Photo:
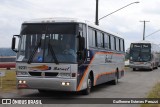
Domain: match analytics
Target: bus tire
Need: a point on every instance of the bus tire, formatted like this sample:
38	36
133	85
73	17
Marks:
151	69
89	86
115	81
156	66
134	69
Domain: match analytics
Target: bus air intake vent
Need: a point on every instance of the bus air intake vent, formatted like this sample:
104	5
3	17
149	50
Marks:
47	74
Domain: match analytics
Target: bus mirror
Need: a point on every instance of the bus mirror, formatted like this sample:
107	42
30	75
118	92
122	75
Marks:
82	43
14	43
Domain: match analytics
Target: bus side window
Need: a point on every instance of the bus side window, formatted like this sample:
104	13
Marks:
99	39
109	41
94	42
102	39
120	45
81	29
106	41
85	33
123	45
117	44
112	43
96	38
90	36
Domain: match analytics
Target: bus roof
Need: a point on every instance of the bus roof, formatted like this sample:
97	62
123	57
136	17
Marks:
142	41
69	20
54	20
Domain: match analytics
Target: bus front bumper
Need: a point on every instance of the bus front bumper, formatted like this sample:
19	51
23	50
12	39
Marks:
143	66
57	84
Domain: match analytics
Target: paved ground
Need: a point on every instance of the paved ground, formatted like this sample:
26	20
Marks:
135	84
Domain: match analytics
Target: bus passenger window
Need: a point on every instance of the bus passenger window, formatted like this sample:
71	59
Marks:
112	43
106	41
117	44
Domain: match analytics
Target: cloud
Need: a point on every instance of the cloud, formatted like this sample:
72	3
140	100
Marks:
124	22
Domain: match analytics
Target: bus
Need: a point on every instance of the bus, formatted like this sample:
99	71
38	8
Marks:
96	56
144	55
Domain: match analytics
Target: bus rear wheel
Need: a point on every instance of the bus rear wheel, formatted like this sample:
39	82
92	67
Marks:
151	69
115	81
89	86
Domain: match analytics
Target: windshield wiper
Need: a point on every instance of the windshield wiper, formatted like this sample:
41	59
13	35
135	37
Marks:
53	53
33	53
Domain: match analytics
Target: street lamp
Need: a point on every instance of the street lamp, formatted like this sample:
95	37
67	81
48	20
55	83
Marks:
97	20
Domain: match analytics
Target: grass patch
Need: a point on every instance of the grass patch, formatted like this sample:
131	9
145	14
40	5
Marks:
154	93
8	81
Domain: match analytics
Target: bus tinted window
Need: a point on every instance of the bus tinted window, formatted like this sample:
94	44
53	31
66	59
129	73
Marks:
109	41
91	37
121	45
106	41
117	44
112	43
99	39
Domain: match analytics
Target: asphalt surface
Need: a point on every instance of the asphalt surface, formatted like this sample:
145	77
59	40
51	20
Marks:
135	84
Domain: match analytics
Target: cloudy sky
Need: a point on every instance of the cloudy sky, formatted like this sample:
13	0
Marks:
125	22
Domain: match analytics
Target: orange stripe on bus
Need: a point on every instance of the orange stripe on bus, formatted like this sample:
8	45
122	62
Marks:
109	53
85	73
105	73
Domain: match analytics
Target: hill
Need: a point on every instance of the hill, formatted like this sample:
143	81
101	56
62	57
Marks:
7	52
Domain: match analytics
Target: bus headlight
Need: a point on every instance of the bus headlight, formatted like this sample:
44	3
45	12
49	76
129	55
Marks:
64	75
20	82
65	83
18	73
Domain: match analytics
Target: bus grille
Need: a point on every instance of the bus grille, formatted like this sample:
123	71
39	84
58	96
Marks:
47	74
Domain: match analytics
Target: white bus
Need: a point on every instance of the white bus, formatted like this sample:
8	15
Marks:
44	63
144	54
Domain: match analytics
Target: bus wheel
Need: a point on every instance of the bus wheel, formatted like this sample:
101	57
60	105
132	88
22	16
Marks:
89	85
115	81
151	69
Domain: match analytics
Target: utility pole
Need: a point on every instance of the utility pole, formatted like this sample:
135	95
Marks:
96	17
144	28
96	21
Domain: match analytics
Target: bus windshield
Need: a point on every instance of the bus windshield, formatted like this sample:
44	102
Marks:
48	43
140	52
